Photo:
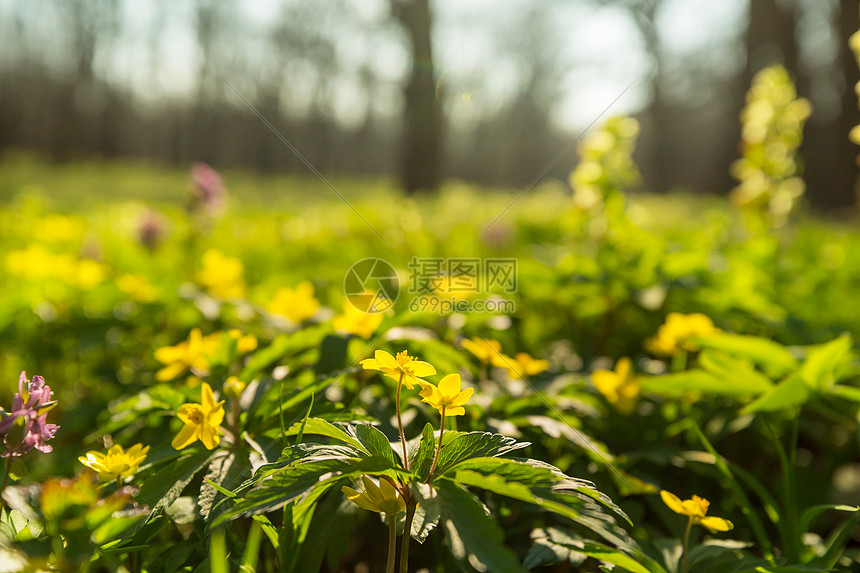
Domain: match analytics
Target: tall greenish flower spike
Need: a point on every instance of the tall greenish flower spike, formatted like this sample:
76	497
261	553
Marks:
854	44
769	171
606	166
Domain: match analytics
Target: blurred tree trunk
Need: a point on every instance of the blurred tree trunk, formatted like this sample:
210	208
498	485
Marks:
422	117
770	37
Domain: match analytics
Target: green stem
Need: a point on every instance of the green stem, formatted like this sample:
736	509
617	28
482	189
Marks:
438	448
392	543
687	541
400	424
404	545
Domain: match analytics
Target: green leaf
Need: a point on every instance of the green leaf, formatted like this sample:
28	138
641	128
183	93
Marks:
375	442
224	470
281	347
790	393
471	533
167	484
818	370
850	393
701	381
295	480
320	427
737	373
422	458
464	446
810	514
772	356
545	486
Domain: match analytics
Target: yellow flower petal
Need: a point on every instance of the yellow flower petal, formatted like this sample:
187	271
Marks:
187	435
420	368
715	524
673	502
385	360
450	385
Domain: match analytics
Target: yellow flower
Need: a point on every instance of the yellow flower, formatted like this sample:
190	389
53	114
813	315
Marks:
353	321
620	388
192	353
486	349
137	287
222	275
202	421
447	396
403	366
521	365
696	509
296	304
678	327
116	463
89	274
381	499
233	387
244	343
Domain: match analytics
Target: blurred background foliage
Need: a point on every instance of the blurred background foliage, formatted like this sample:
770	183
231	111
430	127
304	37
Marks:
422	91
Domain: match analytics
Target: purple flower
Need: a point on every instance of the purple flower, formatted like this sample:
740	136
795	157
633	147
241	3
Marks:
208	187
150	231
26	426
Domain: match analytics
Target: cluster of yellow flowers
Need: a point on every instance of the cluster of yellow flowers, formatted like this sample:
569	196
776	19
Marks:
621	387
489	352
37	263
606	165
196	352
448	397
677	331
768	172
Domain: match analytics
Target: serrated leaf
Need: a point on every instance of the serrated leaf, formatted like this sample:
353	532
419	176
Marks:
568	545
224	470
375	442
471	532
422	458
320	427
167	484
464	446
547	488
293	481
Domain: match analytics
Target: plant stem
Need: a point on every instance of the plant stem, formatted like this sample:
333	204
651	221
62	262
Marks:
400	424
687	541
404	546
438	448
392	543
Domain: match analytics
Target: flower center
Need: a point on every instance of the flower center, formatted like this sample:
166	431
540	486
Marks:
403	359
196	416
